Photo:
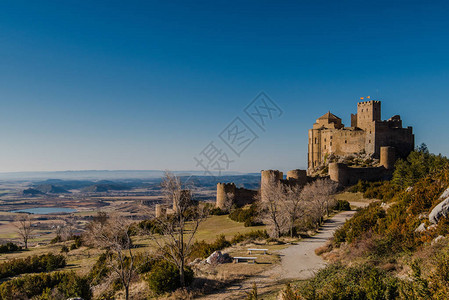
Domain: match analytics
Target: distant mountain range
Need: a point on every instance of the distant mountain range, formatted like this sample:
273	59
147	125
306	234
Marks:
97	174
61	186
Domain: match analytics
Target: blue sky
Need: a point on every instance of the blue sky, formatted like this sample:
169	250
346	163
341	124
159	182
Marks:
148	84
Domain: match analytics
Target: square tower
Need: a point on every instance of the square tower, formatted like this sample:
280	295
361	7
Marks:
367	113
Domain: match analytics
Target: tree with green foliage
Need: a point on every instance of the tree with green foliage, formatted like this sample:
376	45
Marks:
418	164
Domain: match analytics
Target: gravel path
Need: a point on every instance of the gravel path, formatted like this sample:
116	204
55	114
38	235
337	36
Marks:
300	261
297	262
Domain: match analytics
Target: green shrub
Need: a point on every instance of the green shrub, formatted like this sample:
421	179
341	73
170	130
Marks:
216	211
203	249
144	263
32	264
99	270
147	225
248	216
64	249
56	239
9	247
363	220
41	286
359	282
342	205
252	235
164	277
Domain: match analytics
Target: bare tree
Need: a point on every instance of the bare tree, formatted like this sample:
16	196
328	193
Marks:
272	199
68	230
294	205
179	228
113	234
24	228
319	195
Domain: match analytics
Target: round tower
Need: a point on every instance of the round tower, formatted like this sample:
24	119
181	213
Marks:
224	190
266	175
338	173
387	157
160	210
265	178
297	175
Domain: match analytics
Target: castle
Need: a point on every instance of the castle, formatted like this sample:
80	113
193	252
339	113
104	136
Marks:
368	134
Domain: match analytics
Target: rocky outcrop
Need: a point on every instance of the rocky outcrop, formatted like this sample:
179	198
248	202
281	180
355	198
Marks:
445	194
441	210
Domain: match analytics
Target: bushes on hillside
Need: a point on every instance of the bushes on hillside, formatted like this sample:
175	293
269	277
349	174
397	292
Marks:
358	282
248	216
31	264
252	235
164	277
147	225
342	205
45	286
418	164
203	249
9	247
383	190
363	221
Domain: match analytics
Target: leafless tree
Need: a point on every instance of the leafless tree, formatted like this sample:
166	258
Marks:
113	234
295	206
24	228
68	230
319	195
179	228
272	202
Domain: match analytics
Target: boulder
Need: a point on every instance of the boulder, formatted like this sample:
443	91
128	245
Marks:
441	210
437	239
445	194
421	228
195	262
218	258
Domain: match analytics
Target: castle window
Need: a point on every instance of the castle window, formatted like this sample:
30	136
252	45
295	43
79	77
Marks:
331	137
330	144
346	141
324	146
316	141
369	141
324	139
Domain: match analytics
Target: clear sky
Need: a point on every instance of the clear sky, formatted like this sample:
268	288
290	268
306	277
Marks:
148	84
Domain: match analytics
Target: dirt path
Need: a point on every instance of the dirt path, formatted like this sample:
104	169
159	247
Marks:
300	261
297	261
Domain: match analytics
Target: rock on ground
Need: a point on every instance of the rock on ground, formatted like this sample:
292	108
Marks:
441	210
218	258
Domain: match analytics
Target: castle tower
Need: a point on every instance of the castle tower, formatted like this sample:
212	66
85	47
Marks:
338	172
297	175
224	192
387	157
266	177
160	210
367	113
